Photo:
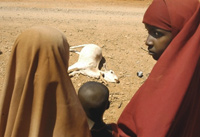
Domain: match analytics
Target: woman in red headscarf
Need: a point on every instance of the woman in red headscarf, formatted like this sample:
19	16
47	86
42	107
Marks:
168	103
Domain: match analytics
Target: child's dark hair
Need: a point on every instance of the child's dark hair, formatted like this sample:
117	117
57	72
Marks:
94	99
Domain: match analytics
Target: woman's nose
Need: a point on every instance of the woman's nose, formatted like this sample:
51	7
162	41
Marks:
149	41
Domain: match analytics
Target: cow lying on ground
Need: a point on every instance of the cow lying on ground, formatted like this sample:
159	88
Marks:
88	63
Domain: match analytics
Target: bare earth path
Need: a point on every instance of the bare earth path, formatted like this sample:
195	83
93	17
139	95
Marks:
113	25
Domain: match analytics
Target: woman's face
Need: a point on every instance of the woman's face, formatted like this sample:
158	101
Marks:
157	40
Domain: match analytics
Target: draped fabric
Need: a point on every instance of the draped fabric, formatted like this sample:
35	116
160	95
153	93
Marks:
157	15
39	99
168	103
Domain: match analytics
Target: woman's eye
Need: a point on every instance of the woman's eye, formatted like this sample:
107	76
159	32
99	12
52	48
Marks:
157	34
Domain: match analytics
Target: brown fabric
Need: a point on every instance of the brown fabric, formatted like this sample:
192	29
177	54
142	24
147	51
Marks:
168	103
39	99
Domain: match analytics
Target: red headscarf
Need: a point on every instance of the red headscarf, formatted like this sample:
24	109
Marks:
157	15
168	103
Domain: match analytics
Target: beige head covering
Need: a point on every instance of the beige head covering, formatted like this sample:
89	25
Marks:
39	99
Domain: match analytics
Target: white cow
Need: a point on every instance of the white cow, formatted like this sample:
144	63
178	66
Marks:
88	63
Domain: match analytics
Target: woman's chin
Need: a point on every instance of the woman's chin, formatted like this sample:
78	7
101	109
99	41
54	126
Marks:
155	57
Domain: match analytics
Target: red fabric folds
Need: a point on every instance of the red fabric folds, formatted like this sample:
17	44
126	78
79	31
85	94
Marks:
168	103
157	15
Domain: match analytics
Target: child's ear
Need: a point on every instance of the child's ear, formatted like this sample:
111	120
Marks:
108	105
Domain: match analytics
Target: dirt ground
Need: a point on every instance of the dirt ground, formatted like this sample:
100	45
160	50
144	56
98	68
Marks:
115	25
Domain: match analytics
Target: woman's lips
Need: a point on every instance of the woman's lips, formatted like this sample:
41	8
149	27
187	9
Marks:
150	52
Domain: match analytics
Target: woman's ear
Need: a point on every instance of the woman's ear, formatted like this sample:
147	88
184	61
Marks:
108	105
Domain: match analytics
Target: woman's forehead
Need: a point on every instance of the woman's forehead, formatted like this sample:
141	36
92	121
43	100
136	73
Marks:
151	27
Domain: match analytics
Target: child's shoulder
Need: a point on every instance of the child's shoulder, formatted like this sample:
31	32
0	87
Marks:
108	130
113	127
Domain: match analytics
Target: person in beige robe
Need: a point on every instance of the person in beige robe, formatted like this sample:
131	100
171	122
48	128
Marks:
38	99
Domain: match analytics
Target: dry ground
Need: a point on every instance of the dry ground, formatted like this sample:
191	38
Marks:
114	25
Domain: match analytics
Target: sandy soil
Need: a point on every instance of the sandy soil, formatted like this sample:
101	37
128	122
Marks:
114	25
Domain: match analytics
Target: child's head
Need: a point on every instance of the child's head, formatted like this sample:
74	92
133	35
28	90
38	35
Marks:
94	99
